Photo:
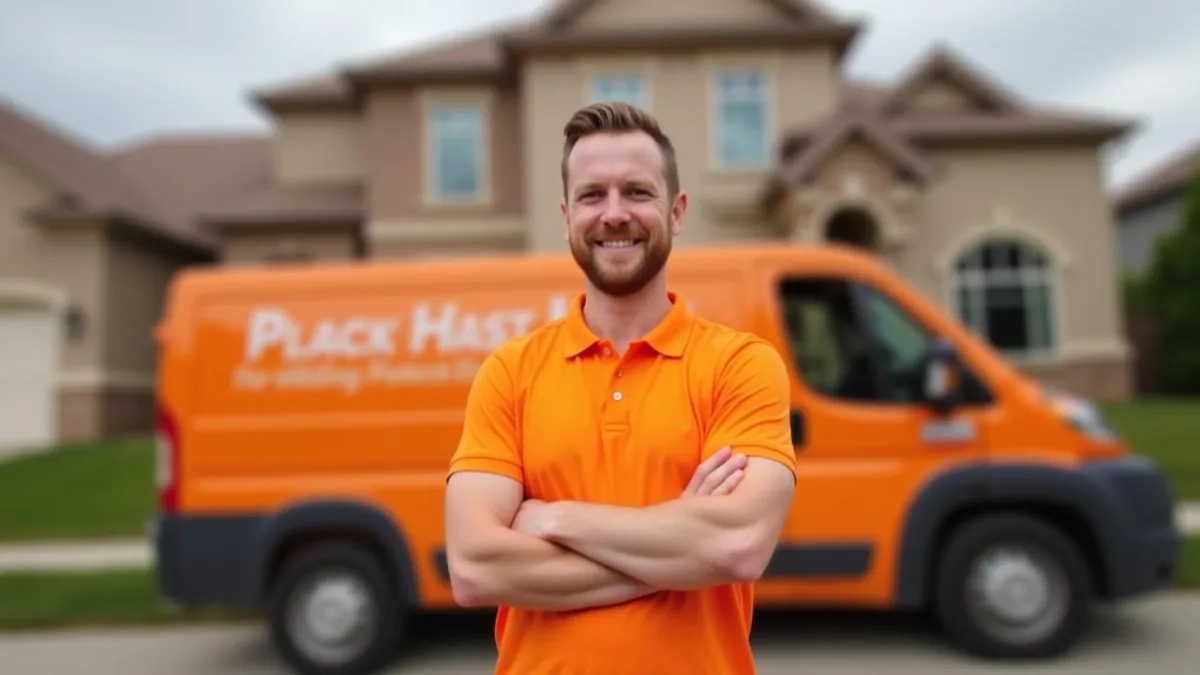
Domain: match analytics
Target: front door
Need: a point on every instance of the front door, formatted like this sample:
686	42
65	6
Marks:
865	442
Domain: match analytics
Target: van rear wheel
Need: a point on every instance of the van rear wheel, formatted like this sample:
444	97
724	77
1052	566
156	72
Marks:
1012	586
333	611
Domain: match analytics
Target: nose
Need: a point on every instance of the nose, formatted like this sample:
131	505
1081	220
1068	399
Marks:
615	212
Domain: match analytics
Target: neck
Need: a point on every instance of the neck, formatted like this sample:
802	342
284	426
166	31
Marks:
622	320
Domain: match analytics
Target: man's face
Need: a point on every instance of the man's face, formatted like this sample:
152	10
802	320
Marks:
620	220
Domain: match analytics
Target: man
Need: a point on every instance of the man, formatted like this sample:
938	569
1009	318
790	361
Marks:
624	472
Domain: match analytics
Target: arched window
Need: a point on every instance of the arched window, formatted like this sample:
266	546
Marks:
1004	291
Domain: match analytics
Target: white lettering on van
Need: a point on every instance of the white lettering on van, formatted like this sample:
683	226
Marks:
358	336
560	306
449	329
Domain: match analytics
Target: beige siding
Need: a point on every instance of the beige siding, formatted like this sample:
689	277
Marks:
319	147
70	261
137	281
1052	198
399	162
802	88
938	97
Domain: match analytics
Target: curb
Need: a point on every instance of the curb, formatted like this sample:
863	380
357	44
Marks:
76	556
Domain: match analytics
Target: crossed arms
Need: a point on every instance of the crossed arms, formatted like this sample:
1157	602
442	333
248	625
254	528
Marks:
566	555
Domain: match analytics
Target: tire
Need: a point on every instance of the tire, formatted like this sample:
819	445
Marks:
1024	553
340	577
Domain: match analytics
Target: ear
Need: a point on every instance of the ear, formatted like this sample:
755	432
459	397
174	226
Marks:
562	206
678	209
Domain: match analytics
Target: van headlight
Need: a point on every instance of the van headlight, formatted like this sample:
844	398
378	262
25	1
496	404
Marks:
1084	416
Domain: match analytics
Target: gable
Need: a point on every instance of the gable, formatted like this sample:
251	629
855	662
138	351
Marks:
944	83
939	96
854	143
622	14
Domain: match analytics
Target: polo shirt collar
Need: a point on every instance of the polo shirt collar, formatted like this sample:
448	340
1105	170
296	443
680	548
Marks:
668	338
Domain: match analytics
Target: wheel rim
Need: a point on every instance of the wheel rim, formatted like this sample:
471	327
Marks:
1018	593
331	617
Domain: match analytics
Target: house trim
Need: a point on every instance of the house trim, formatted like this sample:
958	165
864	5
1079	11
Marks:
91	379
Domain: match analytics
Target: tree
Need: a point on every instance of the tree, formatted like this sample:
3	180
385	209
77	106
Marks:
1173	293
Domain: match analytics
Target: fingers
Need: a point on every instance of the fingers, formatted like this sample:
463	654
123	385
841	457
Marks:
730	483
706	467
721	474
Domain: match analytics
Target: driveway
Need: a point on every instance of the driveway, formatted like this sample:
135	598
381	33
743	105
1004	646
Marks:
1157	635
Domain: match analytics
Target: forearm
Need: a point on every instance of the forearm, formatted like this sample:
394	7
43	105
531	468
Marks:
681	544
513	569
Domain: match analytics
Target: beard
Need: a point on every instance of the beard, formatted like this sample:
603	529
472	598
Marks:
628	279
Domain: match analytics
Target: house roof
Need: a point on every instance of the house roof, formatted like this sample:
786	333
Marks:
486	55
941	64
84	177
182	175
179	187
564	13
270	203
857	124
1168	177
886	119
89	183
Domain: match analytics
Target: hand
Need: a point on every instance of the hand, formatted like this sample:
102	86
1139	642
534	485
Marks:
535	518
718	475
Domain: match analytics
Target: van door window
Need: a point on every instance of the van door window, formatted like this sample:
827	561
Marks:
851	342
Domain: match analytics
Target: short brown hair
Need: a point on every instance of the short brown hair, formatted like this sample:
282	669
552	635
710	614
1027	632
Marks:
603	117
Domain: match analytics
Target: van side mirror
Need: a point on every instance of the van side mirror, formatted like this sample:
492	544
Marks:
943	378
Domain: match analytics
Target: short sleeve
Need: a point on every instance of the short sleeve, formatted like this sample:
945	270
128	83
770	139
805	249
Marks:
752	405
489	435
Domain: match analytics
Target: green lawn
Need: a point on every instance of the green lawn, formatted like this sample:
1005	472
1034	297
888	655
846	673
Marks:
1168	431
81	491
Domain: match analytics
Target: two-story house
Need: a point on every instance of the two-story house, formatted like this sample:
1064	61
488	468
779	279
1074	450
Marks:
1149	206
991	205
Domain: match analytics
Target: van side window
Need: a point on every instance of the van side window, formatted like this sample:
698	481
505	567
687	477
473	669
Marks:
851	342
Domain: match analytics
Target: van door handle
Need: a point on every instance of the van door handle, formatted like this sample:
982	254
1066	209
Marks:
797	420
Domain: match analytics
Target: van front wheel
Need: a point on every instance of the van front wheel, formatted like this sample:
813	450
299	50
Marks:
1012	586
333	611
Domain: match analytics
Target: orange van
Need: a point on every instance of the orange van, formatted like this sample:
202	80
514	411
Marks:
307	415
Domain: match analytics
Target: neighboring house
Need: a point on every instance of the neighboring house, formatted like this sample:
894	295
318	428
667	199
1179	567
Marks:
1148	206
993	207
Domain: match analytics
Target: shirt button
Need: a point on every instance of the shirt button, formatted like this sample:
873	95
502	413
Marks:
607	351
617	396
620	373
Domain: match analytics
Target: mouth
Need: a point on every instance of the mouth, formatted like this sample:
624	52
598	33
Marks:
618	244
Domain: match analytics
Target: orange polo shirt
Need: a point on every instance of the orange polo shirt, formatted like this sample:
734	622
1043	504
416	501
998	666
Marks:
559	410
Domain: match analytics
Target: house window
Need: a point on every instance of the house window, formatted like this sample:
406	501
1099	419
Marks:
457	143
1004	291
742	119
624	89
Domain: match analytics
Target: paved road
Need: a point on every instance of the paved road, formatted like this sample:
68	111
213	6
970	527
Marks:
1158	635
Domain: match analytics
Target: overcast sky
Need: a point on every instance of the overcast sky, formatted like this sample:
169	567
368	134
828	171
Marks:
113	71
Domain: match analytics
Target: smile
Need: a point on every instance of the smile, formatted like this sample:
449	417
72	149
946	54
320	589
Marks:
619	243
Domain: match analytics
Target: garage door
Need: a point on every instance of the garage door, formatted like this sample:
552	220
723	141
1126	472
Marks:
28	350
